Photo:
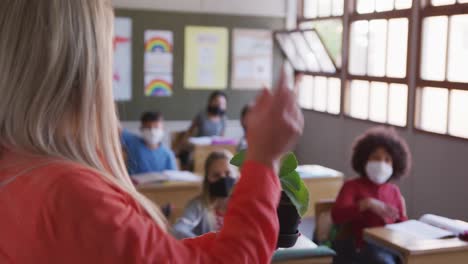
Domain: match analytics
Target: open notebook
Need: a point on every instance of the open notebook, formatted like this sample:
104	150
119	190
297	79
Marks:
431	227
184	176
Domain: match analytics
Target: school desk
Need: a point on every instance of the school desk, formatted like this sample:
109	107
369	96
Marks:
178	194
323	184
304	252
419	251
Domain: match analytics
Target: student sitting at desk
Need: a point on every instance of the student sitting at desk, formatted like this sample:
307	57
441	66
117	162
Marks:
212	121
208	123
206	212
148	154
379	157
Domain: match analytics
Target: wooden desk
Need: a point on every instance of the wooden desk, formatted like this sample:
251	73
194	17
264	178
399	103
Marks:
304	243
201	152
416	251
323	184
178	194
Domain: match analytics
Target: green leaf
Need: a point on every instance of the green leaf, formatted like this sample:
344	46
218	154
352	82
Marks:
288	164
293	179
238	159
297	192
290	179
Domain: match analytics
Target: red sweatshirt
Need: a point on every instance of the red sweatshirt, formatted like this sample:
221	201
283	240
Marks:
346	208
59	212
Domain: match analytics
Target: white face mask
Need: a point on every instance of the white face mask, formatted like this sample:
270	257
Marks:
378	171
152	136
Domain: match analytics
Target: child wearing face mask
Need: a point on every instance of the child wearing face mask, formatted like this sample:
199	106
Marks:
205	213
147	153
212	121
380	157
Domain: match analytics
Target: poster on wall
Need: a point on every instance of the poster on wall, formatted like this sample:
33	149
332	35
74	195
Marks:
159	47
158	84
252	59
122	68
206	57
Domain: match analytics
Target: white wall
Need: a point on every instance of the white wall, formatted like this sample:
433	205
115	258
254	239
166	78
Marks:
275	8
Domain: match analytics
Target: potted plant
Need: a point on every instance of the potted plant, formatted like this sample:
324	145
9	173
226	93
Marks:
294	200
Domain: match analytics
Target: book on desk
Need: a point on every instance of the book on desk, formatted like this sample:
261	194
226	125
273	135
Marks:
431	226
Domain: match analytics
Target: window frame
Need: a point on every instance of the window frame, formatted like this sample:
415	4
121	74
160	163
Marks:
426	9
419	10
338	74
386	15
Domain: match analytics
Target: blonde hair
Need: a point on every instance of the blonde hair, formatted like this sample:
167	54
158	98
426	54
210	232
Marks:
56	86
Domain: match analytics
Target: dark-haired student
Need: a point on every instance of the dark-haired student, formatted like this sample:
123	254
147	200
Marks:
380	157
212	121
147	153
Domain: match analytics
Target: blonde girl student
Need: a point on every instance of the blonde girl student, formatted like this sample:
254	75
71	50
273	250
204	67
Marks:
205	213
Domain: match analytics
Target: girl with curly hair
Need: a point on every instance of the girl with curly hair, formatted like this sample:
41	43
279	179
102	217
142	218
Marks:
380	157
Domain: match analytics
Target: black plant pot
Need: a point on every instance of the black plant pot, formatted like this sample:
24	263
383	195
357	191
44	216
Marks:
289	221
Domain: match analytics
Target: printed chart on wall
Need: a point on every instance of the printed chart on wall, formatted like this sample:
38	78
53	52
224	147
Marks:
122	83
159	46
206	57
252	59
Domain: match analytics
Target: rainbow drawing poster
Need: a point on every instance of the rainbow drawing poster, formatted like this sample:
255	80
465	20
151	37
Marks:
158	85
159	54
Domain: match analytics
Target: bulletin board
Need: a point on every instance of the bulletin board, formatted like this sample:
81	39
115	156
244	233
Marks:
183	104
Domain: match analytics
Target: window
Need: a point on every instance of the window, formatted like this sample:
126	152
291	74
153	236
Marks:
378	101
322	24
378	75
442	93
320	94
377	70
322	8
370	6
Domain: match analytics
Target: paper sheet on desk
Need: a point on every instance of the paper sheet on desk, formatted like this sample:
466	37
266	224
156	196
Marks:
144	178
206	141
200	140
420	230
183	176
316	171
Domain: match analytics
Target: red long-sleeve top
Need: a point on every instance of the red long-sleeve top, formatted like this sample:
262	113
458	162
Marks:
346	208
60	212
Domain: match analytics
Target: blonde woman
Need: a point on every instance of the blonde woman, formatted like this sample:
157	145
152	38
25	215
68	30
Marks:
205	213
65	196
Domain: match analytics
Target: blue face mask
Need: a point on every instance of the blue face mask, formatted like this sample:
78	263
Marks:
222	187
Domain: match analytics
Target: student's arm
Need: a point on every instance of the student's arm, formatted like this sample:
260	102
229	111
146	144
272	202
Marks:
401	205
345	208
192	216
89	221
